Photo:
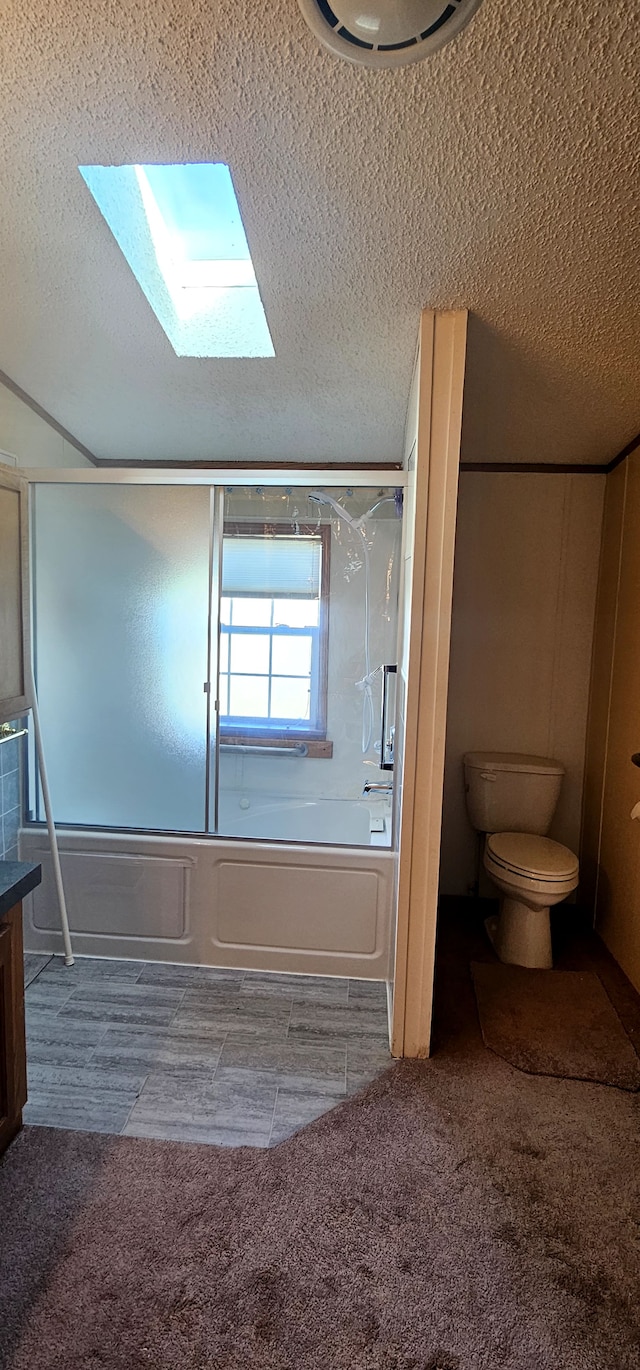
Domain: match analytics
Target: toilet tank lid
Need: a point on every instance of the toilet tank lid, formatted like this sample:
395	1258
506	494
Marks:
513	761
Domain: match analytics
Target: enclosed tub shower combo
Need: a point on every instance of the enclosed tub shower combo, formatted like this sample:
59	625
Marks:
215	667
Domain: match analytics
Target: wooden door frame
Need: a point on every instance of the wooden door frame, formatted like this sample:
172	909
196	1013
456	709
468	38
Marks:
440	367
13	708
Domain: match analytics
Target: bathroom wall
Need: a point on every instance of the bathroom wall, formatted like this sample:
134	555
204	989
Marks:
610	855
30	439
526	569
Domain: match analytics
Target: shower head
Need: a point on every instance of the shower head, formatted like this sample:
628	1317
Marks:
319	497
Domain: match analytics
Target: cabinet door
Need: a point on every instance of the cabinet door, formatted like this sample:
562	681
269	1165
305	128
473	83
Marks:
14	598
13	1074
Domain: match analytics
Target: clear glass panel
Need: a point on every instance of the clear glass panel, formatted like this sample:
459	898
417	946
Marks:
249	696
251	613
292	656
296	613
289	698
311	739
250	653
121	606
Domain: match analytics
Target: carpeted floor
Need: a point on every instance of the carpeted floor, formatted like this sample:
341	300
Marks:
457	1215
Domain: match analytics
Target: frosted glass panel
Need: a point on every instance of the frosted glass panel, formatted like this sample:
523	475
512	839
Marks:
121	586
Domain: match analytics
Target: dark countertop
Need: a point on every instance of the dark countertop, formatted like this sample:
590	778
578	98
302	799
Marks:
17	878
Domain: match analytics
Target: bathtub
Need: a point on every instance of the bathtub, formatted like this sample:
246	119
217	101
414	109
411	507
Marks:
336	821
251	899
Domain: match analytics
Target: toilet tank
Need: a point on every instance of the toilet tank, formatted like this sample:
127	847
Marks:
511	792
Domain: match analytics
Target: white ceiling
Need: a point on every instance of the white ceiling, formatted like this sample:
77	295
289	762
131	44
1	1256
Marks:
501	174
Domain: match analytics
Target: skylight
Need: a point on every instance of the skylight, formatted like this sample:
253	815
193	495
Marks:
181	232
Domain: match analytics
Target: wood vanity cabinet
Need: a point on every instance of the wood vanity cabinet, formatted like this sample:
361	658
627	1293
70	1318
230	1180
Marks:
13	1057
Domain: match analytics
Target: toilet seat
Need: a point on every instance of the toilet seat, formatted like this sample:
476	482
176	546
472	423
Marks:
528	857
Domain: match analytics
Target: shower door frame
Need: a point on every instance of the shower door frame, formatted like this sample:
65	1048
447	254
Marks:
217	481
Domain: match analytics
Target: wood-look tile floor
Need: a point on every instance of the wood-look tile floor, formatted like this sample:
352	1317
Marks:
187	1053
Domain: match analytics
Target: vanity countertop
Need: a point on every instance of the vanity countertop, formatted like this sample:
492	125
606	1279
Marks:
17	879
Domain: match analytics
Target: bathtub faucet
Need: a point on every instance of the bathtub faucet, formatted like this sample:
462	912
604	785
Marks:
378	787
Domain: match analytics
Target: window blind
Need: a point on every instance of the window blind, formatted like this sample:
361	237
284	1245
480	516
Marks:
272	567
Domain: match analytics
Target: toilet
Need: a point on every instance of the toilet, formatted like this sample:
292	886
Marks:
512	798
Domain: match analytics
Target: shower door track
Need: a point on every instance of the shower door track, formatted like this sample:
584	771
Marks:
121	475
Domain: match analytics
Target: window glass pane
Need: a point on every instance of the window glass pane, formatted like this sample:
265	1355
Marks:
224	651
224	694
250	652
291	656
296	613
225	609
249	696
252	613
289	698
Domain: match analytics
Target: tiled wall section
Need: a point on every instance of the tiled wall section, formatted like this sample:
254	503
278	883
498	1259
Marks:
9	798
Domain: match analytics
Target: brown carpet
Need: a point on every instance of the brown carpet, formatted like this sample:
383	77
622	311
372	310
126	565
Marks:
457	1215
554	1022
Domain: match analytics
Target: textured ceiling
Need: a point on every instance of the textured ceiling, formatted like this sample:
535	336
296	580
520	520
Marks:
500	174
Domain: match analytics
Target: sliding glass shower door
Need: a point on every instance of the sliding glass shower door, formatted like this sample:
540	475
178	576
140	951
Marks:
213	661
308	620
121	611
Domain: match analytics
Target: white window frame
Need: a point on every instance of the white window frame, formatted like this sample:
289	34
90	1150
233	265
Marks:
260	728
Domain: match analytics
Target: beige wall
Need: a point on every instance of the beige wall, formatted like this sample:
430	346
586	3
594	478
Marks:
30	439
526	569
610	854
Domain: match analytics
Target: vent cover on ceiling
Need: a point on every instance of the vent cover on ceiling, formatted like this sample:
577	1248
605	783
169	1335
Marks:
386	33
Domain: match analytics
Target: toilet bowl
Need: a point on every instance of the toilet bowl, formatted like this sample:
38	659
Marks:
532	874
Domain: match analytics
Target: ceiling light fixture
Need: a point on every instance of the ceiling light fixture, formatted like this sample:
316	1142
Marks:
386	33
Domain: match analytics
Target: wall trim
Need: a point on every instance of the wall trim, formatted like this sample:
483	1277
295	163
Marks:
554	468
626	452
539	468
518	468
47	417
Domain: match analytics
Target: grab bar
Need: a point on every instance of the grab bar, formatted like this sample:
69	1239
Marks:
254	749
387	729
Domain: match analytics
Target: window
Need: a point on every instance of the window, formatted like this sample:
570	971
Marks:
181	232
273	631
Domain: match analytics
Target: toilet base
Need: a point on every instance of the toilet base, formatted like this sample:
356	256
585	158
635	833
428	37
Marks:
520	935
